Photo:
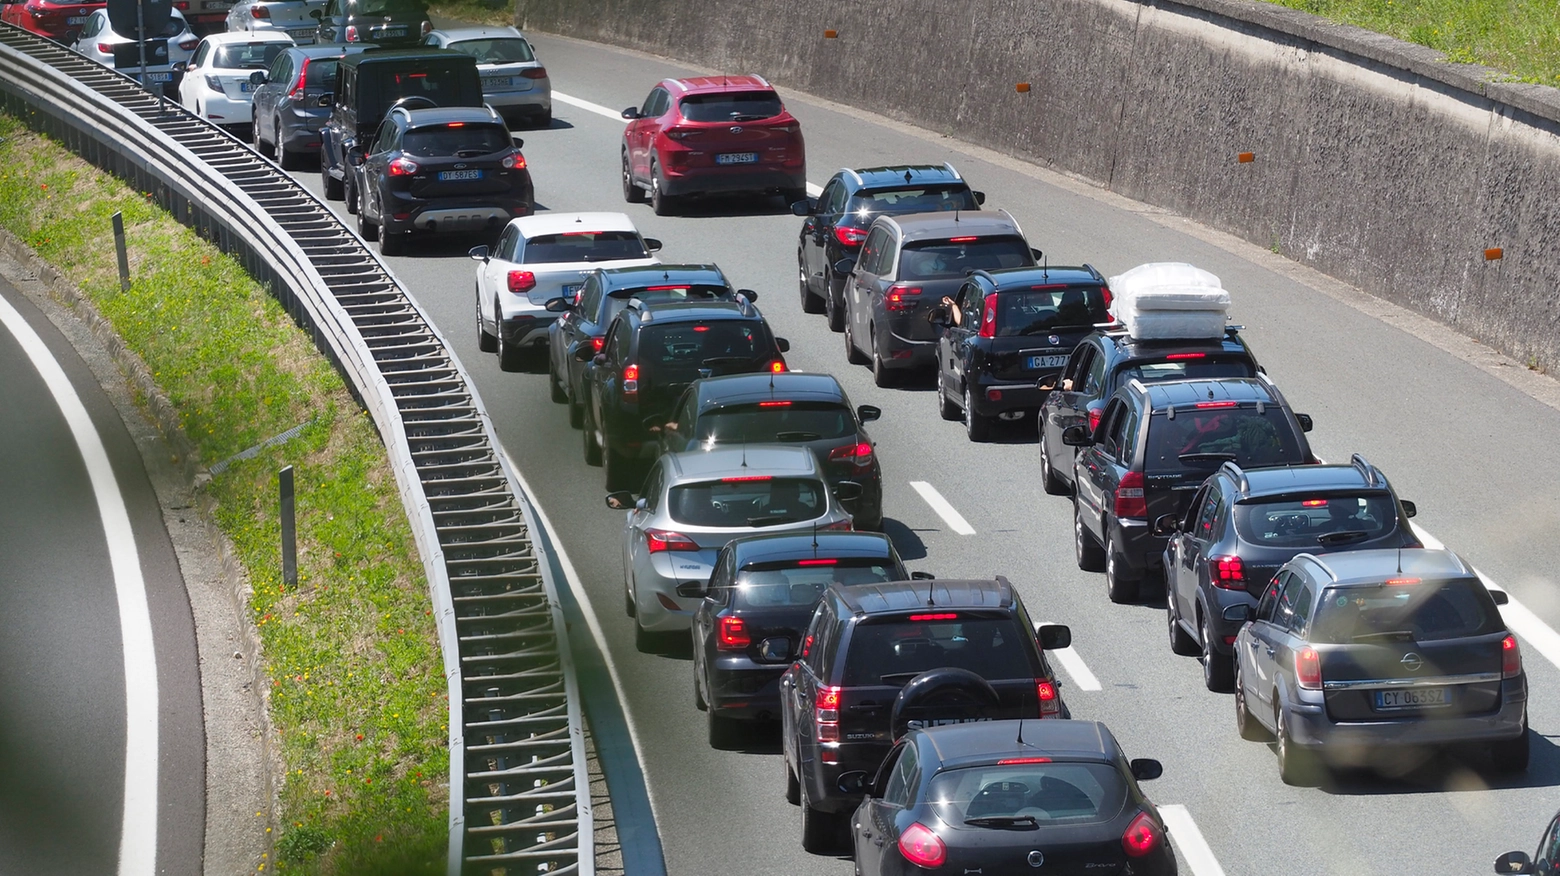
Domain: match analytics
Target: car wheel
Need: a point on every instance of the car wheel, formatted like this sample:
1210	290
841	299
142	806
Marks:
350	196
852	353
592	449
632	193
287	158
1511	755
486	342
978	428
811	302
834	300
820	830
392	244
881	375
1050	481
644	640
1218	669
1181	642
945	408
330	184
793	788
1249	728
660	202
1120	588
723	731
260	145
1296	766
698	689
618	469
554	385
576	413
366	229
1090	556
543	119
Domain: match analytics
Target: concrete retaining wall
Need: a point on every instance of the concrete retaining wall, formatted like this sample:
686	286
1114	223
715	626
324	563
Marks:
1374	162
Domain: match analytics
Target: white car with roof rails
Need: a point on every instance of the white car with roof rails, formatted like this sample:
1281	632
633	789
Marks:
539	259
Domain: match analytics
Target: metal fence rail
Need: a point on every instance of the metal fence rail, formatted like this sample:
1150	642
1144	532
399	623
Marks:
519	797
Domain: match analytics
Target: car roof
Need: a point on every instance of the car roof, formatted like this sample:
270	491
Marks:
692	310
1186	392
893	175
249	36
804	545
897	596
397	55
919	226
1375	566
733	389
640	275
457	34
750	460
716	84
325	50
443	115
1024	277
562	223
986	742
1135	348
1270	480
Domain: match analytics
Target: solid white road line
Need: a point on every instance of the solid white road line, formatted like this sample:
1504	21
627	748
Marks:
814	190
138	827
1073	664
953	518
1540	636
586	105
1185	836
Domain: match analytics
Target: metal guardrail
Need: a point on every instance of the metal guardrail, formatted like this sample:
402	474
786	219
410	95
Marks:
519	796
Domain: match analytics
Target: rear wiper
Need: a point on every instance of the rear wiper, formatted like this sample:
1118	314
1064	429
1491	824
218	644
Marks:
897	677
725	360
1008	821
470	153
772	520
1207	457
796	436
747	117
1386	636
1332	538
1035	329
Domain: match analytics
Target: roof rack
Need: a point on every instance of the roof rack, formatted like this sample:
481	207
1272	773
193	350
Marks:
955	173
1238	474
1373	477
853	173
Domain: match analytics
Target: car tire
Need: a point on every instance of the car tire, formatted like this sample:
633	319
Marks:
881	374
554	385
510	357
1249	728
1087	551
793	788
662	203
632	193
811	302
1296	766
698	689
366	229
393	244
350	195
486	342
1181	642
1511	755
261	146
945	408
592	449
1121	589
331	185
542	119
1050	481
723	732
853	354
629	608
1218	669
618	470
576	413
978	428
820	830
287	158
644	640
834	301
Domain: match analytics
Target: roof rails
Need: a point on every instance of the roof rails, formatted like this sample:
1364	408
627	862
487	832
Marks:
1372	476
955	173
1237	474
762	81
1094	271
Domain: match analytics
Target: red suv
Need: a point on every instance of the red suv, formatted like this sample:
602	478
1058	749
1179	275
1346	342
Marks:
712	134
57	21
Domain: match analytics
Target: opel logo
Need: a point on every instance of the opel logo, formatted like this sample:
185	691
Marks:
736	129
1036	858
1412	661
1054	340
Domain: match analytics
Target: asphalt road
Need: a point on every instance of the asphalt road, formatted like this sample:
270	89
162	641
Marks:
63	685
1474	449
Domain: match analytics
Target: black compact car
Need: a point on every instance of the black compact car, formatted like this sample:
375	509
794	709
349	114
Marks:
758	602
1107	358
1349	655
445	170
1243	524
601	297
652	353
1004	333
807	409
381	22
1009	797
1545	861
1155	444
837	220
292	101
867	643
368	84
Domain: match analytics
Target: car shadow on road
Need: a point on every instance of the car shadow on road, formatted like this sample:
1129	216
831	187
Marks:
905	540
1457	769
722	206
756	737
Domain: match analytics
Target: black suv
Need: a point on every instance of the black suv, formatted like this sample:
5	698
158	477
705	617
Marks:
868	642
1103	361
1005	333
838	218
444	170
1245	523
603	295
369	83
1155	445
381	22
808	409
652	354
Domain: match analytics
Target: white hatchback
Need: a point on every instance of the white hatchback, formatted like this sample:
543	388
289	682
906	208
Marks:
217	85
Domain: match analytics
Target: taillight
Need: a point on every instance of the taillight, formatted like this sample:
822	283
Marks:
214	83
895	300
679	133
521	281
732	635
854	454
597	343
630	382
777	366
514	161
1228	573
848	236
659	540
988	318
1050	700
921	847
1510	658
1141	837
352	33
534	72
1094	418
1105	292
836	526
1129	496
258	11
1308	669
296	92
401	167
189	44
826	714
106	48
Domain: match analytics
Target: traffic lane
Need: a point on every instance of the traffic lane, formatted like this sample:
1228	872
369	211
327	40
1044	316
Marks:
62	664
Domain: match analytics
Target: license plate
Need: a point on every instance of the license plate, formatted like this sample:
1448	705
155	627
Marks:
570	290
1047	361
246	86
218	5
305	34
159	77
1414	698
391	31
448	175
497	81
737	158
76	19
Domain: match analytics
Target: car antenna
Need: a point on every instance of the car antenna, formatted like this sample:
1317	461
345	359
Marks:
1400	561
931	584
1045	266
815	538
1021	720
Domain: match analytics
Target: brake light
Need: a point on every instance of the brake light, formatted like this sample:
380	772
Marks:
1175	356
630	382
1050	699
1105	291
1510	658
732	635
921	847
521	281
401	167
534	73
671	289
189	44
597	343
807	646
818	562
1228	573
1223	404
259	12
826	714
106	48
962	239
837	526
1012	761
660	540
1094	418
1129	496
296	91
777	366
1141	837
774	404
939	616
679	133
848	236
514	161
1395	582
352	33
988	318
746	478
896	302
1308	669
1314	503
852	454
455	125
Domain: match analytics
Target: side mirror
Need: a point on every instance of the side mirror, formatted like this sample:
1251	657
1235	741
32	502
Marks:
1409	508
1077	436
939	316
631	113
782	345
620	500
584	353
749	294
1500	597
868	413
1237	613
558	305
691	589
857	782
775	649
922	576
1166	524
316	14
804	208
652	245
257	77
1511	862
1145	768
1305	422
180	66
847	491
1039	256
1046	383
479	253
1053	636
980	197
356	157
327	98
844	267
599	359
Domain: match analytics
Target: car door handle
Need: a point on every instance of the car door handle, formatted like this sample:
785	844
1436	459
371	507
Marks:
1270	652
877	841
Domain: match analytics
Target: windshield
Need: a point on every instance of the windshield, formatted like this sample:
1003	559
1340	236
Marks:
410	8
457	141
1423	610
913	199
1205	438
776	421
253	56
618	299
1042	310
321	73
1200	368
748	501
583	246
681	350
802	585
736	106
502	50
1049	793
1308	522
895	650
952	259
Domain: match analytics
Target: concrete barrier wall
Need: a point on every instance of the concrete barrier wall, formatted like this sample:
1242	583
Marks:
1373	161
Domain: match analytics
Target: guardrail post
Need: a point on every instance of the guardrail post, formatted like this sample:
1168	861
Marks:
289	533
119	247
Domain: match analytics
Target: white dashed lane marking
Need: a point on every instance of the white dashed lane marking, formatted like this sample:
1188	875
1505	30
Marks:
1072	664
1541	637
1185	836
950	516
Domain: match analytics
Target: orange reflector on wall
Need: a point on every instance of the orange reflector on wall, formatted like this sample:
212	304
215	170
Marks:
1246	157
1022	87
1494	254
830	34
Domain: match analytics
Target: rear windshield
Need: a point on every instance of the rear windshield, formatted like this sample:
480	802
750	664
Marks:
952	259
1202	368
736	106
1423	610
1205	438
391	7
913	199
893	651
438	79
1050	793
505	50
583	246
759	501
776	421
1039	311
680	350
804	585
253	56
321	73
457	141
1329	521
618	299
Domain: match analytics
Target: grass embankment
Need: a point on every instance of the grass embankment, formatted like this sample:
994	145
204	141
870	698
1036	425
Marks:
1518	37
357	691
474	12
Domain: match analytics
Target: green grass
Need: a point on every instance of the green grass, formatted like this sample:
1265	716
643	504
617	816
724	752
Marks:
357	690
1518	37
474	11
